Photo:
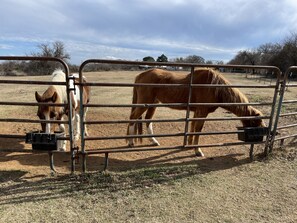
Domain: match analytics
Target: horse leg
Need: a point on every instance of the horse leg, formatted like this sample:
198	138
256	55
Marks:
135	114
85	114
77	122
47	125
197	127
61	144
190	137
61	126
77	125
149	114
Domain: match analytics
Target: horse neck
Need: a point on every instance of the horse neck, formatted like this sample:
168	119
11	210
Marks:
243	110
233	95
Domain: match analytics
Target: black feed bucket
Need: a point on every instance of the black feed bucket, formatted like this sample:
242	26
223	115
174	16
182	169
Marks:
43	141
252	134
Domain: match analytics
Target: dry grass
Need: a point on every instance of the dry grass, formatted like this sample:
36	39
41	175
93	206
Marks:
248	192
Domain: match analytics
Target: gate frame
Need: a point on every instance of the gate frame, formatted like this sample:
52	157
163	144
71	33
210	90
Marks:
284	85
279	88
69	104
269	138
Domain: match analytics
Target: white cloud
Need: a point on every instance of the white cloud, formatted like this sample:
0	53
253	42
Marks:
133	28
5	47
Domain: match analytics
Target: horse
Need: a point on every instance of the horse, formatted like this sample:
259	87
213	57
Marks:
156	94
58	94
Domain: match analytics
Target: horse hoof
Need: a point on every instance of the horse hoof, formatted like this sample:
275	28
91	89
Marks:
199	153
131	145
155	144
62	149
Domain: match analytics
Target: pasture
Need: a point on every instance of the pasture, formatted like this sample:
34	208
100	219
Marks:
159	186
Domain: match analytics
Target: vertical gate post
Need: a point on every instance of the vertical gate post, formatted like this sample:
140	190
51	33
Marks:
273	119
188	108
282	85
82	118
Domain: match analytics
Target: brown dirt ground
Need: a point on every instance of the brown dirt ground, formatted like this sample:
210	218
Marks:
35	164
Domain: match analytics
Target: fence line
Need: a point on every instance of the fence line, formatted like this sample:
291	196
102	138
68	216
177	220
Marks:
276	106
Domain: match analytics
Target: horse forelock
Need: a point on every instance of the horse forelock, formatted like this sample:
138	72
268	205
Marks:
58	75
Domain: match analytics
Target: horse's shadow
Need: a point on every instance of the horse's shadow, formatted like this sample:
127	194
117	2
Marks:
96	163
6	144
203	165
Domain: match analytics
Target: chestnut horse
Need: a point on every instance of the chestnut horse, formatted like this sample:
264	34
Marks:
156	94
58	94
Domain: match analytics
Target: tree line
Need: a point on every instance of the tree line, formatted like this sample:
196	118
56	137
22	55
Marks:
282	55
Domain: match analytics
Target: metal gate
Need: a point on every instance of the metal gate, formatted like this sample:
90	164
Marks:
25	105
185	119
286	110
273	104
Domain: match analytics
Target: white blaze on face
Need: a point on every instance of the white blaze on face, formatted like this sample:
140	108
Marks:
47	125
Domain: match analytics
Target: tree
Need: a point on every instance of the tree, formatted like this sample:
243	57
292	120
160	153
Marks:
56	49
195	59
162	58
148	59
246	57
282	55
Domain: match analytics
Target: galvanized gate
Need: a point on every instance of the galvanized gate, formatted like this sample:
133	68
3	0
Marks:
26	104
186	119
273	112
286	110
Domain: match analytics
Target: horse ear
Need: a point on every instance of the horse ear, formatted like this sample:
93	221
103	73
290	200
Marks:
54	97
37	97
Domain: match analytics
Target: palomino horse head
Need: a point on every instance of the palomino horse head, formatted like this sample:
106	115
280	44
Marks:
47	112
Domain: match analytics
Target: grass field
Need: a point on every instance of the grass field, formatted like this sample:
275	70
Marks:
168	186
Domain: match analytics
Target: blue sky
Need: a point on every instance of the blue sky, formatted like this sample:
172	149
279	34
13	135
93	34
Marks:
133	29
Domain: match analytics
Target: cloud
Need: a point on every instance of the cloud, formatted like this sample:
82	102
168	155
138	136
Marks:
133	29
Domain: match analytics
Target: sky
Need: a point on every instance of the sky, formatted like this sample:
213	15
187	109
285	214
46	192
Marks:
134	29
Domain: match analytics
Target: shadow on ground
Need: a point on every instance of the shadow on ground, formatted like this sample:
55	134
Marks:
125	175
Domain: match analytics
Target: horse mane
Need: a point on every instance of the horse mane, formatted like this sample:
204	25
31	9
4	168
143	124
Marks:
234	95
229	94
